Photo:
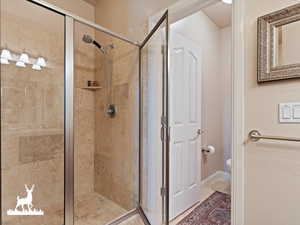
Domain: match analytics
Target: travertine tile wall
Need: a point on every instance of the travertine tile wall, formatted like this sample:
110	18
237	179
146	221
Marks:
32	113
84	114
116	153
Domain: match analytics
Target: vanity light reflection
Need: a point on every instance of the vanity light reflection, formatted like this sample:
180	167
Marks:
36	67
22	60
4	61
227	1
5	54
41	62
20	64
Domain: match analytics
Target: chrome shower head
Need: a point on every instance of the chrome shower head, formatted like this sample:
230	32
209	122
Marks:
89	40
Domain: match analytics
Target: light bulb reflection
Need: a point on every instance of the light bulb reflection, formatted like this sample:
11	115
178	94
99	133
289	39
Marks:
227	1
41	62
5	54
36	67
20	64
4	61
24	58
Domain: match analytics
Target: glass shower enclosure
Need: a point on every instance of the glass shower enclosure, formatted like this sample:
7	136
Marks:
81	107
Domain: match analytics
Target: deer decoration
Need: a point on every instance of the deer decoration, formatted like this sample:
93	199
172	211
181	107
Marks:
25	201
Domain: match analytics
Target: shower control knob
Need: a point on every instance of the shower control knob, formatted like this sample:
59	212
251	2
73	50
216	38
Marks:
111	111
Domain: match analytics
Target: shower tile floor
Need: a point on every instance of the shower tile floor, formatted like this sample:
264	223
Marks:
94	209
91	209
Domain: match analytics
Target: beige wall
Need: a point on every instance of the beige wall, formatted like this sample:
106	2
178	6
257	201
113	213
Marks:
78	7
226	87
272	168
128	17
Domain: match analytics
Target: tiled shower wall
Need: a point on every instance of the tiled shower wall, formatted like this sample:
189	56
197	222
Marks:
32	114
84	114
116	153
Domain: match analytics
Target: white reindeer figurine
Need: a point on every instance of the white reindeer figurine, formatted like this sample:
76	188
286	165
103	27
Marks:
25	201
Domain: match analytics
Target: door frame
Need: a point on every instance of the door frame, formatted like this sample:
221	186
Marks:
184	8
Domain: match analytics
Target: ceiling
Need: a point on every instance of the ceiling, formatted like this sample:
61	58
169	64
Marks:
219	13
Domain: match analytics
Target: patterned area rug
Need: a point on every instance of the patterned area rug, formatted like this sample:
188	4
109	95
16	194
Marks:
216	210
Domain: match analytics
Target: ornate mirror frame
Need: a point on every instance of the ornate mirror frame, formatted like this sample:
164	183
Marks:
266	70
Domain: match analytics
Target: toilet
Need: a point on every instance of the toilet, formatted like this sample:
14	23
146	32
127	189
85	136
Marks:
228	164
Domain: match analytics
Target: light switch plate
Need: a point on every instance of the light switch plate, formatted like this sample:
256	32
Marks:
296	112
289	112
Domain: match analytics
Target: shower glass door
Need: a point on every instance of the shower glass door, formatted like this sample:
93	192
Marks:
32	114
154	123
106	130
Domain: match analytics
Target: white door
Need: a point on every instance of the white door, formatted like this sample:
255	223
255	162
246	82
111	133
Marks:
185	122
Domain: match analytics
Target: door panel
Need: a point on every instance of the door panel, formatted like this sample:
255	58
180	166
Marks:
185	121
192	76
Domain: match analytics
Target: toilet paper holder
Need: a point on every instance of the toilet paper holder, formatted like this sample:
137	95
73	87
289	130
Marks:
209	149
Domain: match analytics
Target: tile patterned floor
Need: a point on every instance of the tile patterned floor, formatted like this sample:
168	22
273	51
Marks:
94	209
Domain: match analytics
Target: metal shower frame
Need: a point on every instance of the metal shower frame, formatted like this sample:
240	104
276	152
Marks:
70	20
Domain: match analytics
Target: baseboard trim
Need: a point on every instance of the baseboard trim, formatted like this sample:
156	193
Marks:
219	173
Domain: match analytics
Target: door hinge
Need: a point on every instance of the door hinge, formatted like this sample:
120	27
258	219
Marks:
163	191
164	130
163	49
163	121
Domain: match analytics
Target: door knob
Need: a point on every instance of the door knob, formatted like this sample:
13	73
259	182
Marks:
208	150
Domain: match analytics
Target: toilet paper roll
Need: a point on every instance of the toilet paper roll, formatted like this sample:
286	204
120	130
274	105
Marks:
209	150
228	164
